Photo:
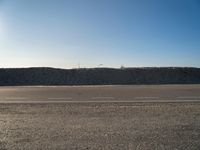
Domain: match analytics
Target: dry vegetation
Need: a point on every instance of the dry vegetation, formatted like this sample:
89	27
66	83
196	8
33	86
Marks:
98	76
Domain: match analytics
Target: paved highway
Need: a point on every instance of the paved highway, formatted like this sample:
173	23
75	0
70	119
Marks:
100	117
72	94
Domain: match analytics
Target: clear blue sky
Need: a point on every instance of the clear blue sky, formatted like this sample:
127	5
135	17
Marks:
65	33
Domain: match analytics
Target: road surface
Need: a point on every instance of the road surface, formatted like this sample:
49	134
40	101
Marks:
160	117
63	94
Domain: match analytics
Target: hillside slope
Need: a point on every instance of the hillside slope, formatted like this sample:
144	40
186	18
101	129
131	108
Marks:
99	76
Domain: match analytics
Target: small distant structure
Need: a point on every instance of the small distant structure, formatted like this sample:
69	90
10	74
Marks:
100	65
122	67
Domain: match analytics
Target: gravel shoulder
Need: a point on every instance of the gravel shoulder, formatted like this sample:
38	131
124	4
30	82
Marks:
137	126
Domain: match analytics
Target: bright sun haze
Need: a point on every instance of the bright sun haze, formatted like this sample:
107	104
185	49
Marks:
69	33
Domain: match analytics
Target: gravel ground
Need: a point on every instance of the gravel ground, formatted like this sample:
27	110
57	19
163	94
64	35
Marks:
117	126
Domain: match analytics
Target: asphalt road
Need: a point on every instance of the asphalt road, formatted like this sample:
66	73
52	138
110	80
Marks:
64	94
164	117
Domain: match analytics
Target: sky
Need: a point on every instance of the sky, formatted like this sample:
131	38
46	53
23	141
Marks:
87	33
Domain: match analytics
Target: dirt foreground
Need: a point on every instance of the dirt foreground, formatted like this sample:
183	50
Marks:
117	126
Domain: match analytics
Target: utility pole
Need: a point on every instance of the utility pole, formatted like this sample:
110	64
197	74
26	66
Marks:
79	65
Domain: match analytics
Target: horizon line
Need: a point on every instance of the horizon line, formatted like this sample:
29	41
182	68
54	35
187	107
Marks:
122	67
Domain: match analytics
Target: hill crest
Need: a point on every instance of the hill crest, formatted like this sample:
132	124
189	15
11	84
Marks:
99	76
